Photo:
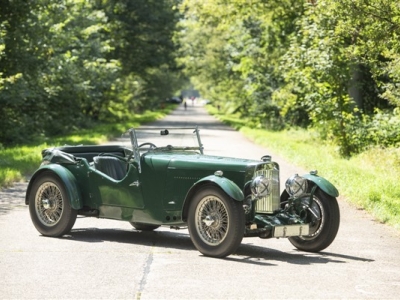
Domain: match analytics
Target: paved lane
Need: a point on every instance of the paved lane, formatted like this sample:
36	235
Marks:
105	259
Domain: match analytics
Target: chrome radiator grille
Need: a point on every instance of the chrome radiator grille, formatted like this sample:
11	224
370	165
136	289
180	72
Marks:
272	202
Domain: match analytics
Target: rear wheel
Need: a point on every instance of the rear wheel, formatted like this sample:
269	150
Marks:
215	222
49	206
144	227
324	219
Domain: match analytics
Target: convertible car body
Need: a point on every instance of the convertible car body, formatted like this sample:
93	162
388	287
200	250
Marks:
163	178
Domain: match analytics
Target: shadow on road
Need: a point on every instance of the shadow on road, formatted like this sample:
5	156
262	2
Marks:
13	197
246	253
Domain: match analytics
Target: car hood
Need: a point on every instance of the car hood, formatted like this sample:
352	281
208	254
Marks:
196	161
218	162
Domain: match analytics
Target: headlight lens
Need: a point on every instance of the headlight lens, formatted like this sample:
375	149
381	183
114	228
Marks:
260	187
296	185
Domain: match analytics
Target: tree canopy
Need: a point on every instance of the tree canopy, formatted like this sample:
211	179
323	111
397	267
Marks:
64	64
331	65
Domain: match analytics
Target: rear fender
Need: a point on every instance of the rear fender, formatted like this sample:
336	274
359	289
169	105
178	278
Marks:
70	183
323	184
228	186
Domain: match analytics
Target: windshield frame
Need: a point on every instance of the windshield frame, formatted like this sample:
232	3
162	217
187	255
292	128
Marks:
134	137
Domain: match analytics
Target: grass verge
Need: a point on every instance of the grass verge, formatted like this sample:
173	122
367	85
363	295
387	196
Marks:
368	180
16	163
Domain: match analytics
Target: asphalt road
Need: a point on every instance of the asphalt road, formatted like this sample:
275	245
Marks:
106	259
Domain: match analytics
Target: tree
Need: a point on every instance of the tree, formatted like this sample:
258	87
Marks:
340	47
231	50
66	64
332	65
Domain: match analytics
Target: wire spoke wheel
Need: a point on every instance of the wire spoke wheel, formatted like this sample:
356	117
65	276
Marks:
212	220
323	219
49	204
215	221
317	219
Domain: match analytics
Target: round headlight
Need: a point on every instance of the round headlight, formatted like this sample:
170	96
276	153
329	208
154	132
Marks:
296	185
260	187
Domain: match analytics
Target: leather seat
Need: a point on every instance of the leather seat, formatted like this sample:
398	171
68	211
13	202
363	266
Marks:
111	166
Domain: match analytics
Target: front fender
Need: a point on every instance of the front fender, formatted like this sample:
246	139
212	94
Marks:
70	183
225	184
323	184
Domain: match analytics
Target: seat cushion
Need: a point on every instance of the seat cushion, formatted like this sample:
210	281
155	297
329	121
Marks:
111	166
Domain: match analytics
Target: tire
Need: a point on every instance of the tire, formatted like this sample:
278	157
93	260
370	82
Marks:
215	222
323	231
49	206
144	227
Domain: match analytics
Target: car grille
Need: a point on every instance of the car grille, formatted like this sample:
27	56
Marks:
271	202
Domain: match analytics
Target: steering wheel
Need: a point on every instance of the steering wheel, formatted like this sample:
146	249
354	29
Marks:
152	146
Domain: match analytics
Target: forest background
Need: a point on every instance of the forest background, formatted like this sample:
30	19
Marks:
329	68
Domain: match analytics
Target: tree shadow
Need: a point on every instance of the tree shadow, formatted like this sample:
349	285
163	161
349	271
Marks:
13	197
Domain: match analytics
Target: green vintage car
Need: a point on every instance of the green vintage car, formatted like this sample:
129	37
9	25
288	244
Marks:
163	178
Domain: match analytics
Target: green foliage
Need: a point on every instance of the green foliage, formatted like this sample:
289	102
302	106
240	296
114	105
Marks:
234	61
66	64
330	65
378	130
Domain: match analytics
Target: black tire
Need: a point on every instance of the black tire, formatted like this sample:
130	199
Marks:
225	217
49	206
323	231
144	227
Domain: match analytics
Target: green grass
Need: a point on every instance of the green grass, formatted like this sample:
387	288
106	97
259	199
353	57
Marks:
16	163
369	181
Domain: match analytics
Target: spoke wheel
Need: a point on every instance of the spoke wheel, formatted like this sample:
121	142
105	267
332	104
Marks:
49	206
211	220
324	220
216	222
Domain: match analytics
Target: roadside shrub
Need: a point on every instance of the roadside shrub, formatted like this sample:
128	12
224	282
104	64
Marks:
359	133
383	128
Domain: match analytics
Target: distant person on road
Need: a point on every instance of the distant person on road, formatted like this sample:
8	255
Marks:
184	104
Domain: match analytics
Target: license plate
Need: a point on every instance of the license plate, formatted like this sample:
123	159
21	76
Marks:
291	230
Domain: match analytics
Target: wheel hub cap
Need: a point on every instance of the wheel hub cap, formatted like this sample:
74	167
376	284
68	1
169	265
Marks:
46	203
208	221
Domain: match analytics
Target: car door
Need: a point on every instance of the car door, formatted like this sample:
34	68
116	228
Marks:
119	198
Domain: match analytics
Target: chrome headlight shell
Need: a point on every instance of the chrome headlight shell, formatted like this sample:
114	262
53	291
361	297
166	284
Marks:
296	185
260	186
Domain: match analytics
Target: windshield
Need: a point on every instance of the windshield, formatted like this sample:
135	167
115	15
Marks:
166	139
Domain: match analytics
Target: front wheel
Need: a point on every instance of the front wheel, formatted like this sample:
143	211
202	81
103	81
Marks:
215	222
324	219
49	206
